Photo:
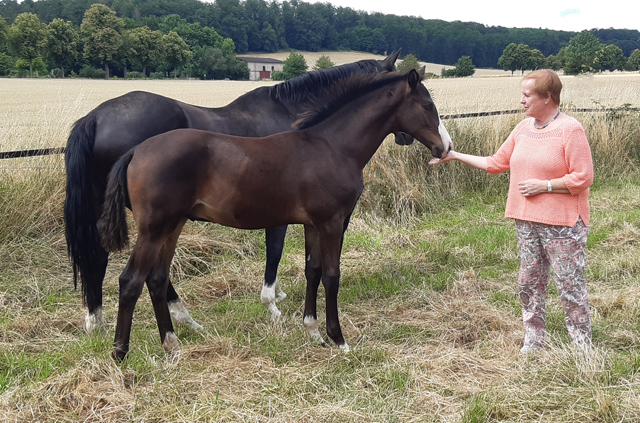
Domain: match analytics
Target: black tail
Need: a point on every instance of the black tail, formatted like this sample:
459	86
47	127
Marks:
83	242
112	225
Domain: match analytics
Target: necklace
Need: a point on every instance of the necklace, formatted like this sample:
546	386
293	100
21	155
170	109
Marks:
548	123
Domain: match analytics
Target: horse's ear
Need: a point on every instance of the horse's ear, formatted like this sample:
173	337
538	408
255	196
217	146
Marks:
415	76
391	59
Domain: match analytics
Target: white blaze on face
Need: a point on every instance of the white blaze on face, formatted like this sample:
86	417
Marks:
446	138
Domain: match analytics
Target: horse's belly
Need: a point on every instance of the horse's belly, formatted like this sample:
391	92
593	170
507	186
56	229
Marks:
255	216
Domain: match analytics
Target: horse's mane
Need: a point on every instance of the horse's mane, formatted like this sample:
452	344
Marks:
343	92
312	83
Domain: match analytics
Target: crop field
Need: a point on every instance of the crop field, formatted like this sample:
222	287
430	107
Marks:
428	299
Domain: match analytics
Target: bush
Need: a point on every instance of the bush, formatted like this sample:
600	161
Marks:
38	67
135	75
89	72
57	73
448	73
156	75
277	76
409	62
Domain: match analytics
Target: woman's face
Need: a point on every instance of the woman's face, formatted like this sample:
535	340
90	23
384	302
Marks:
534	105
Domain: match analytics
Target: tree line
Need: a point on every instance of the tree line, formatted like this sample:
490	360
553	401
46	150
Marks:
261	26
176	48
584	53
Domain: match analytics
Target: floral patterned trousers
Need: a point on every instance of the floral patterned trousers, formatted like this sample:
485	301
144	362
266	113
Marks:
562	248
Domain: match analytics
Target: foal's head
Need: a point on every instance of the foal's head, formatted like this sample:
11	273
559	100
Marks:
419	116
406	101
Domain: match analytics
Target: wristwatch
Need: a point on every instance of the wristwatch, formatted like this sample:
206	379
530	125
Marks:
549	186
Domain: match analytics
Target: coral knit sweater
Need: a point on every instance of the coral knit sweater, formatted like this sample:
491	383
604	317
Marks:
559	151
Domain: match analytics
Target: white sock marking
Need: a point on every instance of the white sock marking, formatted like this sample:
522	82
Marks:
270	296
94	322
311	324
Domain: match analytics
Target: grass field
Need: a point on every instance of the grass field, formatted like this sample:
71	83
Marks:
428	292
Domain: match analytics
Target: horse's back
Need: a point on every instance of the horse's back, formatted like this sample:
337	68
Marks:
126	121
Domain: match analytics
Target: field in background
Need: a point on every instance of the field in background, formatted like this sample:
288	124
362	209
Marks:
39	113
427	296
342	57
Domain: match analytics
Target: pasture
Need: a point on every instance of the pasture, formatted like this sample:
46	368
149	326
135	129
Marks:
428	292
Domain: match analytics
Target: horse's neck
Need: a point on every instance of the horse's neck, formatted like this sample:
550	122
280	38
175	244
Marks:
359	131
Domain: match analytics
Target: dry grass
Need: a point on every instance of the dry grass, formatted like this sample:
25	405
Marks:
427	298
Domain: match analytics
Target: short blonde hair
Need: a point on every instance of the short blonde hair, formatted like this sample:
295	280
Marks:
546	81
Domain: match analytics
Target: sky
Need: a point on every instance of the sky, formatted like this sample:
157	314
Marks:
563	15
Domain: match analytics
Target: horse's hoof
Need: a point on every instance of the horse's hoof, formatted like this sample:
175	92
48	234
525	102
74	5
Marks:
312	326
171	344
94	323
274	311
119	355
181	317
344	348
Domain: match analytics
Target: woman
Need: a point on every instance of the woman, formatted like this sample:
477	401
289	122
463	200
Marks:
551	171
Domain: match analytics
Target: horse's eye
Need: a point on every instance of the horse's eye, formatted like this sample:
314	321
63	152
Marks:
428	107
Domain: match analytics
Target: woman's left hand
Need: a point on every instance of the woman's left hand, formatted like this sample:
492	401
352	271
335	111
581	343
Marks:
532	187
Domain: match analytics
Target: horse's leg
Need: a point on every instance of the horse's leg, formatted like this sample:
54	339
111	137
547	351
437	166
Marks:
93	321
331	236
143	257
179	313
271	292
158	282
313	274
93	278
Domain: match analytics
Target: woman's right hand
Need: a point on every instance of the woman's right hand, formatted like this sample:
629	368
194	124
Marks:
451	155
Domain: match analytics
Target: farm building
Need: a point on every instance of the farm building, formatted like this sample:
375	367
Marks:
261	67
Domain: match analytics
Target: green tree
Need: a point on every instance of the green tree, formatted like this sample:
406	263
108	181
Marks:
294	65
62	43
634	60
509	59
610	57
176	51
536	60
269	38
36	65
409	62
3	35
102	35
524	57
6	62
27	38
146	47
553	62
581	53
323	62
465	67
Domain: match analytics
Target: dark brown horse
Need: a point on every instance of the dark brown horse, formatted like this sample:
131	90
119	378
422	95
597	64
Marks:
117	125
311	176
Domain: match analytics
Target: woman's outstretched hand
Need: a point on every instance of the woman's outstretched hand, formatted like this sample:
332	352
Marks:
451	155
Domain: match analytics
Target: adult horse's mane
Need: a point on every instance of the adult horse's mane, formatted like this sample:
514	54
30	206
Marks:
312	83
342	93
